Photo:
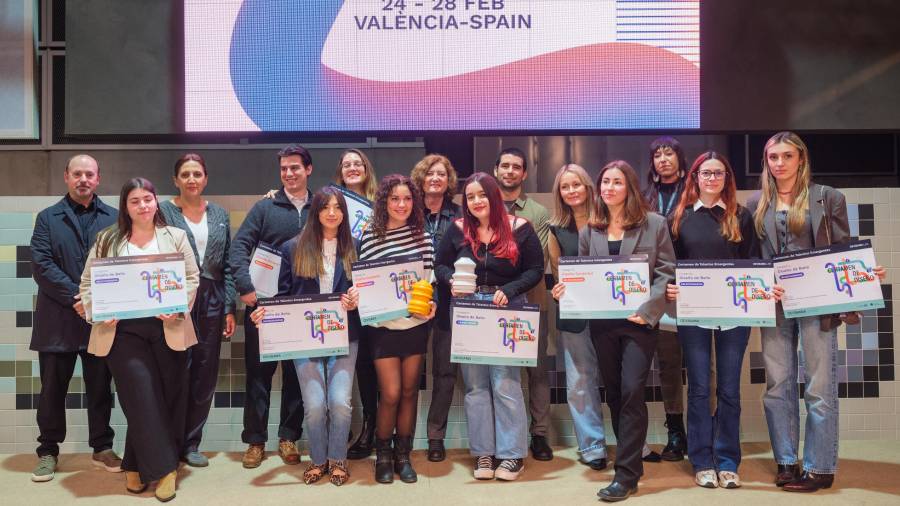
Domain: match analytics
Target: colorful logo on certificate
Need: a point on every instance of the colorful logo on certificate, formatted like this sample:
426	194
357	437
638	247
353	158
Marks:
360	223
161	280
746	289
624	283
403	282
847	273
515	330
322	322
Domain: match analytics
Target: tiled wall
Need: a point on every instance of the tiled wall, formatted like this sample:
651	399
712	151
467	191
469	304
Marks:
867	357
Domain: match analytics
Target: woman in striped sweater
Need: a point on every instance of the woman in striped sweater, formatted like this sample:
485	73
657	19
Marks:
397	346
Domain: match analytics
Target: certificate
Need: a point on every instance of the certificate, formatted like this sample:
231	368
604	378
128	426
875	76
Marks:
603	287
384	285
725	293
828	280
265	266
360	211
137	286
483	333
303	326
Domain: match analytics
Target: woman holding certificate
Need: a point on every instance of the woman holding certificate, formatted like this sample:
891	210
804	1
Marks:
623	226
509	261
318	262
791	213
147	356
708	223
398	346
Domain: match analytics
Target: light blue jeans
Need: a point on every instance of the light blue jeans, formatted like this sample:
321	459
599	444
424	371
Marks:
495	407
583	385
779	346
326	384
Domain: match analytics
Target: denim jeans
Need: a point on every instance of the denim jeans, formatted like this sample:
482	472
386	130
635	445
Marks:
779	346
326	384
714	442
495	406
583	385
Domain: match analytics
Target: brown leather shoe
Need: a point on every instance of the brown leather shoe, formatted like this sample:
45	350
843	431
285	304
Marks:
810	482
786	474
165	489
133	482
288	452
254	456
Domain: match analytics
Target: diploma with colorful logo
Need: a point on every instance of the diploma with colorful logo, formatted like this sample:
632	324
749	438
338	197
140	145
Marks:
265	266
725	293
384	286
360	211
832	279
608	287
303	326
483	333
137	286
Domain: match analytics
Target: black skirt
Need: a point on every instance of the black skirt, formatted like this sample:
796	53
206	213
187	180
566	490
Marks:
386	343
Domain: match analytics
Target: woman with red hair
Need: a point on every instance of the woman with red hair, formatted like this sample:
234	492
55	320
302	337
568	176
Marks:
509	261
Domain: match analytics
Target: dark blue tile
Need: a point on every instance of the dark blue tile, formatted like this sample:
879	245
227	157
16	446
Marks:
23	269
886	340
842	390
870	389
23	319
866	211
866	227
223	400
757	376
23	401
870	373
23	254
73	401
237	399
886	291
885	356
886	372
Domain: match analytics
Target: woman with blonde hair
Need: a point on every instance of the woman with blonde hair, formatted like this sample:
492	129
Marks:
356	173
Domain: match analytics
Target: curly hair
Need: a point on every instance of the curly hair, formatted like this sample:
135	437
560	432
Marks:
421	168
416	220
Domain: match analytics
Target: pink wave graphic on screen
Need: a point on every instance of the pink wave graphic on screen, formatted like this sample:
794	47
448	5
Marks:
619	85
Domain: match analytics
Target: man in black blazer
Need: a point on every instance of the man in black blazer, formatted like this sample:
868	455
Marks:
63	234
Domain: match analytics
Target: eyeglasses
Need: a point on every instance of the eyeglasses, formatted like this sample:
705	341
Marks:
347	165
706	175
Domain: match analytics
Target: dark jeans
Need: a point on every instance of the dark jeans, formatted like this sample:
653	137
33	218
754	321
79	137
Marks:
56	373
208	314
443	374
624	353
259	389
366	379
151	382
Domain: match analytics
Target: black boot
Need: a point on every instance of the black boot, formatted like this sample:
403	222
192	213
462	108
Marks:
402	464
364	444
677	445
384	461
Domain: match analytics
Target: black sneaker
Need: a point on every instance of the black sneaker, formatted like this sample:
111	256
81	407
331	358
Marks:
509	469
484	467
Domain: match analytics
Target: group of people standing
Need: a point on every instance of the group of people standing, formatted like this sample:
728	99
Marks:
165	367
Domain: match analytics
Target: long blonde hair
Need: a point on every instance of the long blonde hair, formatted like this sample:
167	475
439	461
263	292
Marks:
371	184
563	214
796	216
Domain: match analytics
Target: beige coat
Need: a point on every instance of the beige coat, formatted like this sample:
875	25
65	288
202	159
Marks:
179	332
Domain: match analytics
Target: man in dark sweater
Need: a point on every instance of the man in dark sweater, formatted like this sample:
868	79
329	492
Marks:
272	222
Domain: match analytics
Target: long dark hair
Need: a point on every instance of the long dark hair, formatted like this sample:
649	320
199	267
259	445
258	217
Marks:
112	237
416	220
504	244
635	206
307	257
651	194
730	226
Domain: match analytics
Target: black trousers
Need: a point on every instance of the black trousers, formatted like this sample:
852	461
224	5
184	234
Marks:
624	354
56	373
443	374
259	389
208	314
151	381
367	379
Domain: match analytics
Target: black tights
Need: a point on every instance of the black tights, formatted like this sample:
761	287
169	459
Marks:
398	383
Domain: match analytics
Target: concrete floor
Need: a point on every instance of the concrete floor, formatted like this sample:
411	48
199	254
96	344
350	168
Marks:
869	474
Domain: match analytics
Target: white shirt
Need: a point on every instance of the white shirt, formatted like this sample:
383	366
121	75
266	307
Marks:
329	255
698	205
298	202
200	232
129	249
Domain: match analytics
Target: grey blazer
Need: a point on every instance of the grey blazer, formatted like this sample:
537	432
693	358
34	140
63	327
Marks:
828	214
651	239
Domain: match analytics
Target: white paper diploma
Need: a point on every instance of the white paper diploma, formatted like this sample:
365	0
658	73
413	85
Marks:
265	265
360	211
833	279
483	333
725	293
137	286
608	287
303	326
384	285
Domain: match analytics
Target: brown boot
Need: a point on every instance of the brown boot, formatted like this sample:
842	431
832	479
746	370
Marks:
133	482
165	489
254	456
288	451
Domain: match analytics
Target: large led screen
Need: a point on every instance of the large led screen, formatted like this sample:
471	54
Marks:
440	65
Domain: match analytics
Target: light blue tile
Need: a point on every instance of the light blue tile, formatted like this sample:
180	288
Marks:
8	286
7	269
7	302
77	371
35	368
25	286
854	228
24	303
15	237
870	341
853	212
7	352
16	220
7	385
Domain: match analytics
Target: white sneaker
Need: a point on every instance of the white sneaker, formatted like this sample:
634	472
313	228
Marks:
510	469
706	479
484	468
727	479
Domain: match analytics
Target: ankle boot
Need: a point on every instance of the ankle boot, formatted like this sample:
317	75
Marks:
364	444
165	489
402	464
384	461
133	482
677	444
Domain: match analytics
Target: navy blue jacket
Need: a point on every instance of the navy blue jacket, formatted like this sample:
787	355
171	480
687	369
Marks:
290	284
58	254
272	221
